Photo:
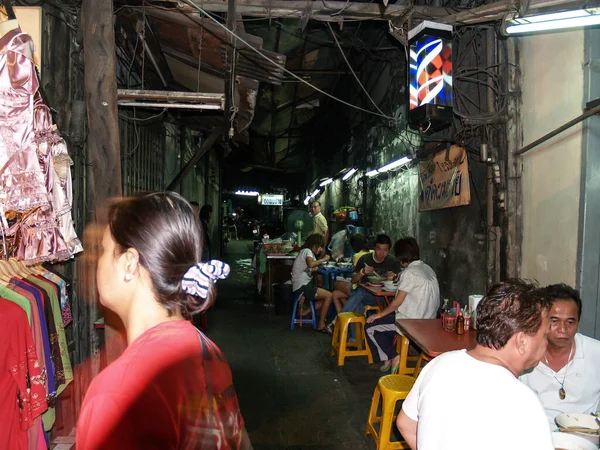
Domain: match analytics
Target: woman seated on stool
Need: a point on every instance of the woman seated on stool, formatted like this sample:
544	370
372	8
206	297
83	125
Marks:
342	288
304	266
418	297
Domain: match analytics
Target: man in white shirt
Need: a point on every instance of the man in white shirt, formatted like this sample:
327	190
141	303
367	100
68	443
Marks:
472	400
319	221
567	379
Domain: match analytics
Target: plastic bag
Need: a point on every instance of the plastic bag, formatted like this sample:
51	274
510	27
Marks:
336	246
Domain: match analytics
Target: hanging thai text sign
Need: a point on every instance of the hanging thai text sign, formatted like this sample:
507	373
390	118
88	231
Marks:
444	180
272	199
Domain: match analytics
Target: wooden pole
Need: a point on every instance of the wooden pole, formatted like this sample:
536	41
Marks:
102	146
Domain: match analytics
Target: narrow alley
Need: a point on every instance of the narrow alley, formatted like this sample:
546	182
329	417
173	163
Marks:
291	393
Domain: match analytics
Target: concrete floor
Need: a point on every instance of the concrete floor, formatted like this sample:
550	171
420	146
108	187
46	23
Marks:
291	392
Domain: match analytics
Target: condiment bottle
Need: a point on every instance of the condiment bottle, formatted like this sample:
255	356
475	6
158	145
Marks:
460	324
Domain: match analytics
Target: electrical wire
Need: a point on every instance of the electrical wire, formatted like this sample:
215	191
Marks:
352	70
275	63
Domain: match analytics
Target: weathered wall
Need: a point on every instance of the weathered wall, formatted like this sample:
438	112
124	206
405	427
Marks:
552	89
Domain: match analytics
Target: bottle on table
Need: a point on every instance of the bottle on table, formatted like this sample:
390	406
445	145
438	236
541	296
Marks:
460	324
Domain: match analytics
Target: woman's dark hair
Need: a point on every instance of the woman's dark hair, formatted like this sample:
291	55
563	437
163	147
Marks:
406	250
164	230
383	239
205	212
563	291
358	243
510	307
314	240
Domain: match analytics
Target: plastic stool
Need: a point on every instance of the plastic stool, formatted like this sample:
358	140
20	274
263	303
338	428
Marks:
389	390
374	308
301	320
339	342
422	358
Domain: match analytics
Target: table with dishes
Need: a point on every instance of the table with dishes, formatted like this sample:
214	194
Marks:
331	270
382	293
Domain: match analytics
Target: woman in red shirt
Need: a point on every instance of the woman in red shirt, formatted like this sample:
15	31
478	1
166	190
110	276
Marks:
172	388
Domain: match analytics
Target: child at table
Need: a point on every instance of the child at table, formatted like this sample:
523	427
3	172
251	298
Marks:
304	266
342	289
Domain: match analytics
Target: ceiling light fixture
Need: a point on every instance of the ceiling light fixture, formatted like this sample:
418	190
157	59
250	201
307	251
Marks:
315	192
552	21
349	174
247	193
307	199
326	182
372	173
394	164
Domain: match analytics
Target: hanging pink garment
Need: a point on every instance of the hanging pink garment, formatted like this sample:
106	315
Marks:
22	186
56	164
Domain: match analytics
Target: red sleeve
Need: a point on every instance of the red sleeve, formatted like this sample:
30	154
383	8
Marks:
25	370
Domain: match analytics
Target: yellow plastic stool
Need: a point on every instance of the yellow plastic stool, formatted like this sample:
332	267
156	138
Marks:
389	390
402	346
368	308
422	358
339	342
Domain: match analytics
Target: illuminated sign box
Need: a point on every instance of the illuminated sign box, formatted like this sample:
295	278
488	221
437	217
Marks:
430	76
272	200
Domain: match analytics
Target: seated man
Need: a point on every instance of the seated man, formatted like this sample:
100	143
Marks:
567	379
380	262
472	400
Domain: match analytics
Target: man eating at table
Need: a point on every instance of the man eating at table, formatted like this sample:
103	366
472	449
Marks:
567	379
379	262
472	400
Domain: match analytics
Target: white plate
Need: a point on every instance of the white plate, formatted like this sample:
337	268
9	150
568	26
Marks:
568	441
568	420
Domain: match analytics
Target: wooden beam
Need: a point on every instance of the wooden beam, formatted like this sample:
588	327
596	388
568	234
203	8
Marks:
320	10
102	143
206	146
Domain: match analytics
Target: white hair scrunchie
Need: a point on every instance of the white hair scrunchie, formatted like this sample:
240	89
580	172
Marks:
199	277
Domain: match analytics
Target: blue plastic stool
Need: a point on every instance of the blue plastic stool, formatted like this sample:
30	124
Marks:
295	320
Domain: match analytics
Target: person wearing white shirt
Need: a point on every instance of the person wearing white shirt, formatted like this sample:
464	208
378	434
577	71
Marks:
567	379
418	297
472	400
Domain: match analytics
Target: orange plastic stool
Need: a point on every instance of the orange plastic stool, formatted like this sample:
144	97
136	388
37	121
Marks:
339	342
389	390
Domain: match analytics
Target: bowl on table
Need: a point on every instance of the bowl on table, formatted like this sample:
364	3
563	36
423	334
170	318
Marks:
389	285
575	420
568	441
376	279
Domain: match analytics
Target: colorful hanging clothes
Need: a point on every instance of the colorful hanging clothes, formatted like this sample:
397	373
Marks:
22	395
65	306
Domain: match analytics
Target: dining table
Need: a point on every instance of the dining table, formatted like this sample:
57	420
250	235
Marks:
382	296
331	273
433	339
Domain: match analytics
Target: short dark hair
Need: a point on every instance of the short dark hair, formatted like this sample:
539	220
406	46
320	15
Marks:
510	307
562	291
314	240
315	201
205	212
358	242
196	204
406	250
383	239
164	230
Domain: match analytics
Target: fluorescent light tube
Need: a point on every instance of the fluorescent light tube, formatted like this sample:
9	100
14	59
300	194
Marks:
553	21
247	193
372	173
349	174
307	199
315	192
326	182
399	162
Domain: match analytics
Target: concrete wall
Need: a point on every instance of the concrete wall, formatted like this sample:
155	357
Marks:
552	94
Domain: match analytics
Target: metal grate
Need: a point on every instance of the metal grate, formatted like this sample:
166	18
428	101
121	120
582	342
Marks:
142	155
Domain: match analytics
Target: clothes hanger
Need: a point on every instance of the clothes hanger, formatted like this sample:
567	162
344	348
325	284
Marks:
5	276
9	269
18	267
